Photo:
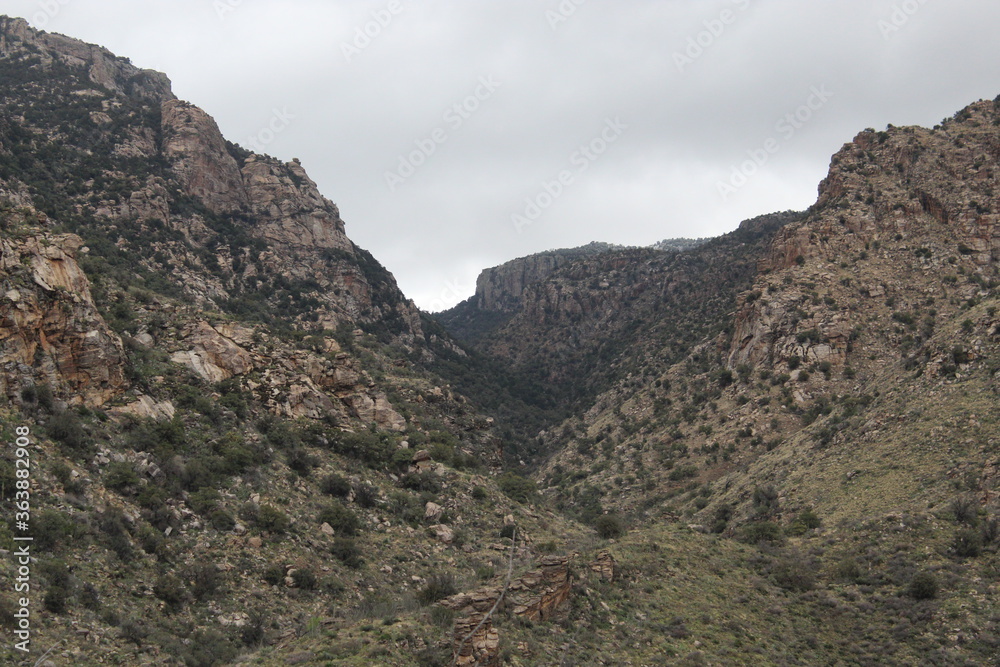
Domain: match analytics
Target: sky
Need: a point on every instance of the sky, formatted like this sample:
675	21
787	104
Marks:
455	135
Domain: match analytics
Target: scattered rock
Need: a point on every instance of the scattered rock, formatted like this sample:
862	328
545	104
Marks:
443	533
433	511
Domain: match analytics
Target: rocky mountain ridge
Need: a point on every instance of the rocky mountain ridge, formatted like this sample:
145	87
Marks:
777	447
594	320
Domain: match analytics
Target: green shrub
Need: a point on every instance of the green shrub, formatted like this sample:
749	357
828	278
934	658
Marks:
609	526
205	501
275	574
205	580
968	543
848	570
335	485
170	590
761	531
438	587
151	540
794	574
209	647
304	579
765	500
273	520
365	495
965	510
517	487
301	461
66	428
53	530
120	476
347	552
805	521
343	521
923	586
406	508
683	472
221	520
423	482
253	632
479	493
55	599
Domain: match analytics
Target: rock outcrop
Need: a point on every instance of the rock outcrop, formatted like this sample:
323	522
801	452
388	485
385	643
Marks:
50	330
103	67
197	151
535	596
884	197
501	288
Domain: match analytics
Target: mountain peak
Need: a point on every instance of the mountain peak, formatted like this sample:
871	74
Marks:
114	73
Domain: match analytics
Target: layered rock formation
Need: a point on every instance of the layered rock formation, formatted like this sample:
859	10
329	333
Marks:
501	288
535	596
884	199
235	230
174	208
50	330
102	67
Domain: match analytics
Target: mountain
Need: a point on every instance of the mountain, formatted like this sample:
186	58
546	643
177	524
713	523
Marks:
597	318
231	422
244	445
846	419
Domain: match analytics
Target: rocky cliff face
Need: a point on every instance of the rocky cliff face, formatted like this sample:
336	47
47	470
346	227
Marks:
170	207
153	175
501	288
898	210
51	333
596	313
101	67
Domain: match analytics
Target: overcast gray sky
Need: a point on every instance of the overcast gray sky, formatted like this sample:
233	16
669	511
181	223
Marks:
458	134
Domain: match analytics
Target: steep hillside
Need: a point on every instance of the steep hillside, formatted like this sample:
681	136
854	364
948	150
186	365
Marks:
232	436
597	319
166	203
245	446
848	420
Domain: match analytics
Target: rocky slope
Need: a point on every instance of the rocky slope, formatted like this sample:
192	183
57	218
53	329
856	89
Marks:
601	317
51	332
112	155
233	429
847	420
781	449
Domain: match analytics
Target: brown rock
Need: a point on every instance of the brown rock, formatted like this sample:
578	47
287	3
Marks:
50	330
443	533
213	356
433	511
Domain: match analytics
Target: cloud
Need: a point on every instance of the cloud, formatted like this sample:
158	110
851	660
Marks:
688	126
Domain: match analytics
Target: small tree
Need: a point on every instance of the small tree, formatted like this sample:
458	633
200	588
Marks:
923	586
609	526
